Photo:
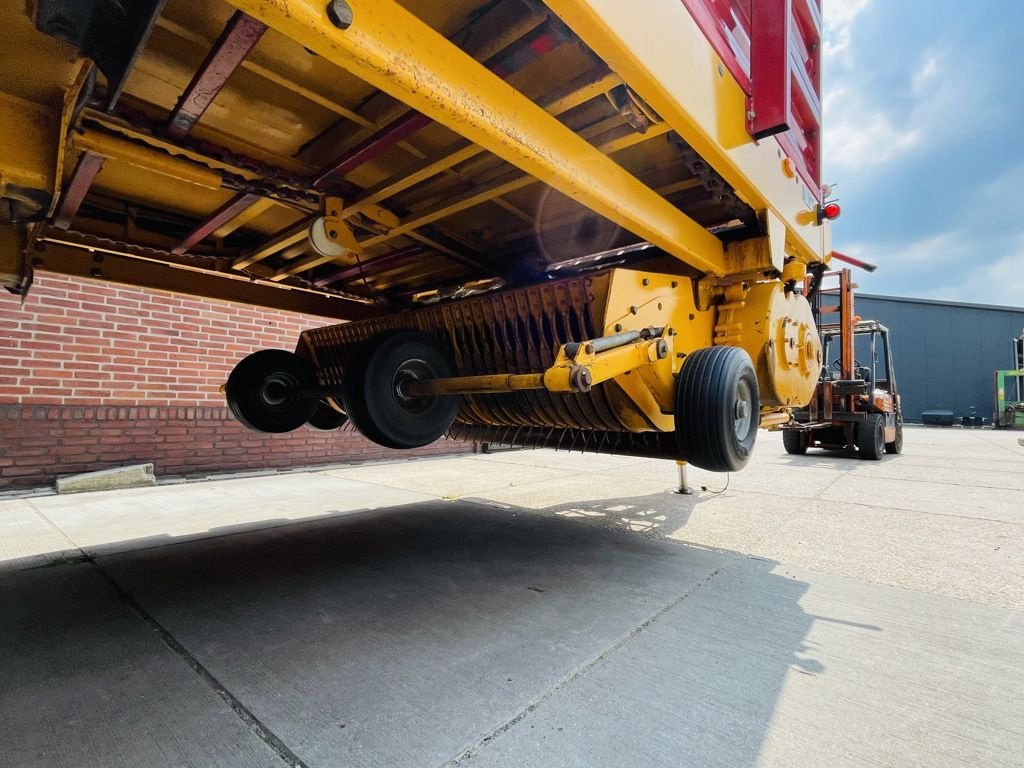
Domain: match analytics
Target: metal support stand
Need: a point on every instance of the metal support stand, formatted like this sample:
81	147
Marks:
683	489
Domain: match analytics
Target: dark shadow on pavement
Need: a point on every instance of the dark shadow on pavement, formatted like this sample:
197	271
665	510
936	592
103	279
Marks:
408	636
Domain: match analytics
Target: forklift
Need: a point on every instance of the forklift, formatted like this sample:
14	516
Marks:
856	406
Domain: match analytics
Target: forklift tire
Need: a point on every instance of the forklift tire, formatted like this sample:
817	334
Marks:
871	437
263	391
717	409
373	391
896	446
795	442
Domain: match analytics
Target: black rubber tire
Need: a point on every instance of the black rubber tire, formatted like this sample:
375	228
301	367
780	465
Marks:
325	418
871	437
711	383
896	446
795	442
372	398
263	391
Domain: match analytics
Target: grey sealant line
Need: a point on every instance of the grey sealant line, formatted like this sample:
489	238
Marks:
242	712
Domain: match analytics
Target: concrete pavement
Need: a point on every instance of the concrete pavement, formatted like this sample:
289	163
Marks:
527	609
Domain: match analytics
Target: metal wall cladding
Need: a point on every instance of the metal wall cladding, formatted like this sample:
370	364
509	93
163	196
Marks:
945	353
516	331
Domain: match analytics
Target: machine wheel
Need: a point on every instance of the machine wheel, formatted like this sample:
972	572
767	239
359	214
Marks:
717	408
374	399
896	446
795	442
326	418
263	391
871	437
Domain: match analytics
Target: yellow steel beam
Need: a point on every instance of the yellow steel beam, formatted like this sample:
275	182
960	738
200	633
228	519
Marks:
491	46
579	374
482	193
660	52
501	186
143	157
388	47
475	385
13	242
71	258
579	215
30	133
577	93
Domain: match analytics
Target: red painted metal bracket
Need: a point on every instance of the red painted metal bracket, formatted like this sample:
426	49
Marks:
89	164
236	41
768	106
373	266
218	218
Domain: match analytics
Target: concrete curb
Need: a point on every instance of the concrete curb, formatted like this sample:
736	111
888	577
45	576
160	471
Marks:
133	476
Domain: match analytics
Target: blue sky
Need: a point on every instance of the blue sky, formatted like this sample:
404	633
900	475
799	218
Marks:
924	121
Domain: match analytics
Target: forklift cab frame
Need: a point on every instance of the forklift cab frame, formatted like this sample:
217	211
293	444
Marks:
855	405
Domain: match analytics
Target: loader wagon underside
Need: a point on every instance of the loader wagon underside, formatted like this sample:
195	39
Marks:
541	219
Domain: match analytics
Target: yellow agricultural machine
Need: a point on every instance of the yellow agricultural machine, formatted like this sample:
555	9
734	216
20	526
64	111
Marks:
578	223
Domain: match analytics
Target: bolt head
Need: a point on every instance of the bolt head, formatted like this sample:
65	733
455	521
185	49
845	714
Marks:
340	14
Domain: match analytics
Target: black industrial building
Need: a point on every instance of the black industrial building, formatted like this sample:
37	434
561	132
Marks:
944	352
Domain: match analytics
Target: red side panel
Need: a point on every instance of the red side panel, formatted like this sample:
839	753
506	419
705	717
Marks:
773	50
726	24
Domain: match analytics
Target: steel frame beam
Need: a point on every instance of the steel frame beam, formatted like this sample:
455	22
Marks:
236	41
477	195
401	127
497	188
394	51
88	167
575	94
70	259
372	267
226	213
267	74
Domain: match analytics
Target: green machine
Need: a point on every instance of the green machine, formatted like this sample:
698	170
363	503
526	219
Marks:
1009	413
1009	395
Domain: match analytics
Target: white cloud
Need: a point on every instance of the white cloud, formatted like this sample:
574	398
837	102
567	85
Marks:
858	135
998	282
955	265
839	16
926	74
859	132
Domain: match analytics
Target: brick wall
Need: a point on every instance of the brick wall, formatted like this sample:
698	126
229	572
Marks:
94	375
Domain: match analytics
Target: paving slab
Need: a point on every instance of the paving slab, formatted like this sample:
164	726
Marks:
84	683
442	478
148	517
529	608
767	665
28	540
399	638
